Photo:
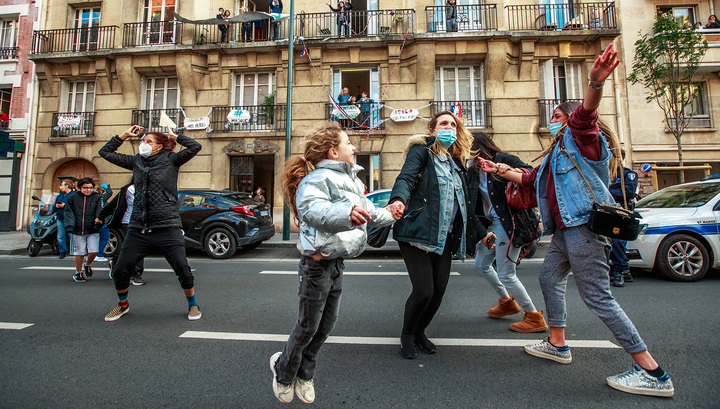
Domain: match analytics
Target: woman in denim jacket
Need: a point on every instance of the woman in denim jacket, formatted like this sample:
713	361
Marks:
565	203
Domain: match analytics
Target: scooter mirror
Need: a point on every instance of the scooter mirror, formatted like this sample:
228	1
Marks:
36	198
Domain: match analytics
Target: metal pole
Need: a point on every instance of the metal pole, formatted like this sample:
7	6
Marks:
288	122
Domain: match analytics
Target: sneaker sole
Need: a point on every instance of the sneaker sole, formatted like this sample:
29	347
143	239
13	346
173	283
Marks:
641	391
273	359
117	317
134	283
548	356
524	331
82	280
195	317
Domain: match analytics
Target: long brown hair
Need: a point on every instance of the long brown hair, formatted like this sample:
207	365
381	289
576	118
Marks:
318	143
483	146
461	147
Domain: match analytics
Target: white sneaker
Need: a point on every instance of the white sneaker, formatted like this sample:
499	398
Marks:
101	259
639	382
285	394
305	390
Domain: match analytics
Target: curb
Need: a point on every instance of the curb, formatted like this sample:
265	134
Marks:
13	251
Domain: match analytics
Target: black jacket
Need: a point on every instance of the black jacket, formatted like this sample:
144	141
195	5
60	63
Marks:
631	182
525	220
81	212
115	209
155	178
418	189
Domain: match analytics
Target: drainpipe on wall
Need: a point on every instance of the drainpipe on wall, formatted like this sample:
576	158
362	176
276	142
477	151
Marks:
618	110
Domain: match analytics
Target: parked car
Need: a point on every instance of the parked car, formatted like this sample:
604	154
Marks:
217	222
679	236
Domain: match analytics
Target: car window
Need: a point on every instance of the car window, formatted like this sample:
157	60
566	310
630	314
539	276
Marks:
242	199
695	195
380	199
191	200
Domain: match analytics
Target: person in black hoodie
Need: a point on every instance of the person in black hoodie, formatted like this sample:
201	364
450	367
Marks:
513	227
155	220
81	219
119	210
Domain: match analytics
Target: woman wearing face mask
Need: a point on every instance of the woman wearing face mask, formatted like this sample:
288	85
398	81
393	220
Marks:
155	219
585	143
430	199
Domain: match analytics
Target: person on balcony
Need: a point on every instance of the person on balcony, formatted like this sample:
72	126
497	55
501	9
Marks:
343	17
366	104
451	16
276	7
246	29
228	27
222	27
712	22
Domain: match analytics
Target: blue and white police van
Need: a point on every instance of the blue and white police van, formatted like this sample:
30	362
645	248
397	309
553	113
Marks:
679	232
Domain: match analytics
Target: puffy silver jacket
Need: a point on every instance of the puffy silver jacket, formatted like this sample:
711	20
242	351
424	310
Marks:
325	199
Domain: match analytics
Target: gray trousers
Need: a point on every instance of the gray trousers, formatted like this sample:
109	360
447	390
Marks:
584	252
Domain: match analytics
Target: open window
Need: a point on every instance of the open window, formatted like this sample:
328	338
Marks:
357	81
683	15
560	81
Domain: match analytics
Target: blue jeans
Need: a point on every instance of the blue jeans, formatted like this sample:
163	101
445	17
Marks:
504	281
62	235
618	257
276	30
320	292
582	251
104	237
343	30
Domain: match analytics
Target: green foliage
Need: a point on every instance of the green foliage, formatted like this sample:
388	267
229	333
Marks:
268	105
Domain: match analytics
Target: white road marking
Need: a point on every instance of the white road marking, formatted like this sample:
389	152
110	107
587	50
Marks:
152	270
14	325
353	273
236	336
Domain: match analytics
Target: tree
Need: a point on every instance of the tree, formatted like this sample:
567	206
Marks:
666	62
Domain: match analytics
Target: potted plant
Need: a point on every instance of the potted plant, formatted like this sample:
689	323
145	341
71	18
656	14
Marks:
268	108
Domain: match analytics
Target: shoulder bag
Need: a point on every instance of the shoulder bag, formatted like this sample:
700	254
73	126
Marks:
521	197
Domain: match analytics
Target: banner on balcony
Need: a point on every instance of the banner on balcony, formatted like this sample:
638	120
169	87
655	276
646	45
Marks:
237	117
346	111
68	122
199	124
404	115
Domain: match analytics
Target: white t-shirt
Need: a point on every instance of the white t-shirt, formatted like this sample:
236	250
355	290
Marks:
129	198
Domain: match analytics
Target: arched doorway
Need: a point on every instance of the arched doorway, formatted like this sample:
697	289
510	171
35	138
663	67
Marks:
78	168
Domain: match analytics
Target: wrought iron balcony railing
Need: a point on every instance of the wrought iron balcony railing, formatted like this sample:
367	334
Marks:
477	114
261	30
150	118
467	18
249	118
152	33
8	53
572	16
5	125
369	116
355	24
73	40
73	124
546	107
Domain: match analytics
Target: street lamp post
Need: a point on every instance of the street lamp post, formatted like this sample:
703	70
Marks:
288	123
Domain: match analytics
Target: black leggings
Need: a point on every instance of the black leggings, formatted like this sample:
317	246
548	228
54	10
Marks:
429	274
137	245
140	266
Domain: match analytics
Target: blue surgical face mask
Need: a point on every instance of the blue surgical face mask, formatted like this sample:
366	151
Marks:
554	127
446	136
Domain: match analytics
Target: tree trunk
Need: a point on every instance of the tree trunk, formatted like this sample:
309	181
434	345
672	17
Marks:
681	172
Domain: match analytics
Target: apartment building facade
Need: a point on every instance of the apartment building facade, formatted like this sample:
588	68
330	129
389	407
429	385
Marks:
103	66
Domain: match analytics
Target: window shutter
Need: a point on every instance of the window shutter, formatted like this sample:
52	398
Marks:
545	77
573	78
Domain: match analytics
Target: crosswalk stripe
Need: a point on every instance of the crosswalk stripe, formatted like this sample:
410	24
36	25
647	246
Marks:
14	325
152	270
352	273
236	336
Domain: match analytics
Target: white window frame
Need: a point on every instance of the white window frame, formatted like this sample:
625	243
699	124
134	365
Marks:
475	94
692	15
148	104
702	119
12	30
239	87
548	74
147	9
70	95
78	16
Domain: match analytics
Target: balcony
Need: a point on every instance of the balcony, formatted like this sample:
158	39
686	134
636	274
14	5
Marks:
372	117
212	33
477	114
546	107
551	17
361	24
468	18
150	118
4	125
73	40
66	124
8	53
152	33
259	118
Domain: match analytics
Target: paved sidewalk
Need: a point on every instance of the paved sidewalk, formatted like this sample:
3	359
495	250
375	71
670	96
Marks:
14	242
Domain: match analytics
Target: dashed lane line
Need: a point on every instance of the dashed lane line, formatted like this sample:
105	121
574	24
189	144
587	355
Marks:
236	336
352	273
14	325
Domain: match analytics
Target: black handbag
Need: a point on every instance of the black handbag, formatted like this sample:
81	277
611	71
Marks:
607	220
377	236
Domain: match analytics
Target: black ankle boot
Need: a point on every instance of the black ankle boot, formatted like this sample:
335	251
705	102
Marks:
627	276
618	280
407	349
424	343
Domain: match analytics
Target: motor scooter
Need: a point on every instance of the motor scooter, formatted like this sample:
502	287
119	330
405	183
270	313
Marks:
43	229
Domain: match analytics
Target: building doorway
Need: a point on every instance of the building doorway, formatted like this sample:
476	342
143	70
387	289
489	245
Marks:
9	181
249	172
370	175
77	168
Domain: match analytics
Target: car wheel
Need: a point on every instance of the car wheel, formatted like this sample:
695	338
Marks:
251	246
220	243
682	258
531	252
34	248
114	244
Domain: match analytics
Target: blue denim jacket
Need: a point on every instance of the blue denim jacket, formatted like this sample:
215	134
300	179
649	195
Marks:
451	189
573	196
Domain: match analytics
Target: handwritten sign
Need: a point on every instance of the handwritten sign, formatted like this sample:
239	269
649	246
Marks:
403	115
237	116
69	121
197	124
350	110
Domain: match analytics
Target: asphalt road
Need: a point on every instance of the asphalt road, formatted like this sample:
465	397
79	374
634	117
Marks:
70	357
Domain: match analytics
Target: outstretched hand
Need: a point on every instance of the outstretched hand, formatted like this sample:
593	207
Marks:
604	65
488	166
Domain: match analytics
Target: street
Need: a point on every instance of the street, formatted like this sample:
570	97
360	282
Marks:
154	357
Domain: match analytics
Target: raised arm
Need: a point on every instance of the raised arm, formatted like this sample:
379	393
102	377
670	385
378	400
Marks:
108	152
603	66
192	148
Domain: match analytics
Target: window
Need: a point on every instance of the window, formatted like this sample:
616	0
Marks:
251	89
191	200
560	80
162	93
87	17
87	21
461	90
80	96
685	16
370	175
697	111
8	33
159	10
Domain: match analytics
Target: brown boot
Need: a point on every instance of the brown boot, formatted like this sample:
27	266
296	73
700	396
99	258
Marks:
532	322
506	307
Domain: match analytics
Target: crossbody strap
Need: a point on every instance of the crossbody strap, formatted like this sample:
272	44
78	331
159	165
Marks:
562	149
